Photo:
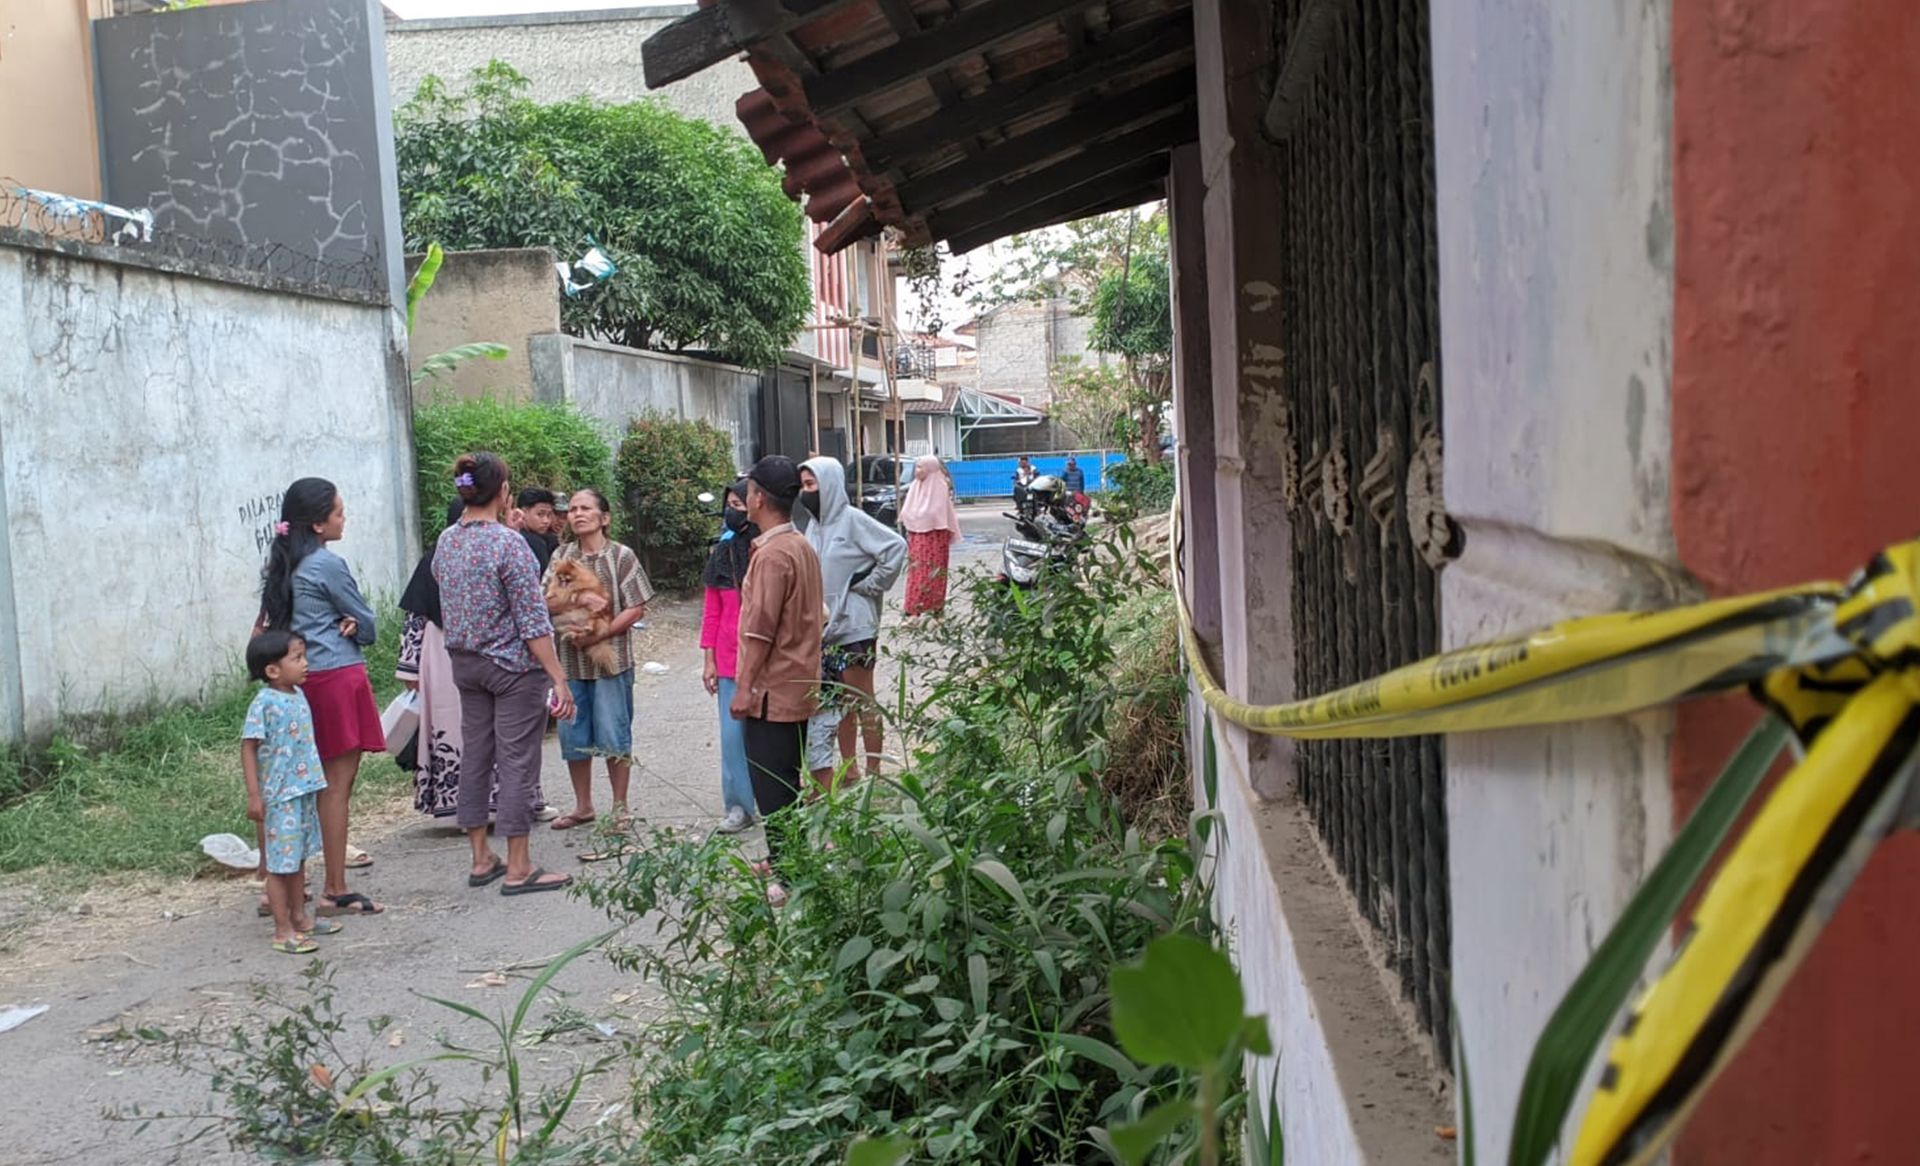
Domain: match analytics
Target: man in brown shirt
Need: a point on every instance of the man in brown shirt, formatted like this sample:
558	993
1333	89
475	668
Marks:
777	681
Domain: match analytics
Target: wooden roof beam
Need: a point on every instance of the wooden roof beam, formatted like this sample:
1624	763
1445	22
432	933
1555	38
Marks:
850	226
973	30
905	25
1038	219
1124	50
1091	176
713	34
1166	96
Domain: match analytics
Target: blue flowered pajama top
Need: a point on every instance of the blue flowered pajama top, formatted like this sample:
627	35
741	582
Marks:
289	760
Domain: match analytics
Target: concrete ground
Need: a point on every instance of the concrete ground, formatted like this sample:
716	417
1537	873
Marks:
175	955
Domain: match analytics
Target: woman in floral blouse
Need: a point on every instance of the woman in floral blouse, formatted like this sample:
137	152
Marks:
500	642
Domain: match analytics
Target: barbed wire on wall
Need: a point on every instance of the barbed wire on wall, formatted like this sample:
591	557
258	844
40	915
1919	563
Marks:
63	217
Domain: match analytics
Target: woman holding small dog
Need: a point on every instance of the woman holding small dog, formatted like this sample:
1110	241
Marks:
596	590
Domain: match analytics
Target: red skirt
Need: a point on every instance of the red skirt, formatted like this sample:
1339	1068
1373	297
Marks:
927	570
345	719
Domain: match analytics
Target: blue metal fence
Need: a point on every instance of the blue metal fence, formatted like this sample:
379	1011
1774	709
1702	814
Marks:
992	477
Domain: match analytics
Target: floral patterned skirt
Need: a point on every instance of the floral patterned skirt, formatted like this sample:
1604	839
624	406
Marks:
927	570
423	658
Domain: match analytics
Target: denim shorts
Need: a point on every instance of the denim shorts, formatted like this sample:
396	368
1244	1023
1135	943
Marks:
602	724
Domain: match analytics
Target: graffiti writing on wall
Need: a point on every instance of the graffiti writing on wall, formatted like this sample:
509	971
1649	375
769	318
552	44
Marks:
258	516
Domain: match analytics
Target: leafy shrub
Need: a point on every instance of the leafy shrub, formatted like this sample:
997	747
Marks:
941	975
665	463
708	245
543	444
1139	487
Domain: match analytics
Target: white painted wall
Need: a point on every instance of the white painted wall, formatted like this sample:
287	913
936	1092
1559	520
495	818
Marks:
148	422
613	385
1552	127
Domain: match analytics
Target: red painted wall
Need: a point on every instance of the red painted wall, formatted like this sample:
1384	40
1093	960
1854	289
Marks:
1796	453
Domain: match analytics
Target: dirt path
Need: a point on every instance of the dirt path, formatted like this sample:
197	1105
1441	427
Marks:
182	954
179	954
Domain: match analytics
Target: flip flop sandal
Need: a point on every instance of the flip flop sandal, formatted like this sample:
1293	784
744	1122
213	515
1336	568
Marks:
266	912
498	872
358	858
351	903
776	896
298	945
569	821
534	886
324	927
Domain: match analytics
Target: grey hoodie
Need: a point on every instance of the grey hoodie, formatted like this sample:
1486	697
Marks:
849	541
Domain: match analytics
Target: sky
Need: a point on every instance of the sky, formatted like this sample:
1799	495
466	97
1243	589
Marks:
424	9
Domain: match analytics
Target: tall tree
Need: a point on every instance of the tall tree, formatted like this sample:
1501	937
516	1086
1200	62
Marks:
708	246
1132	311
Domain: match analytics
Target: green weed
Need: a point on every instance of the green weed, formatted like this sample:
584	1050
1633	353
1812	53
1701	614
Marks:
138	792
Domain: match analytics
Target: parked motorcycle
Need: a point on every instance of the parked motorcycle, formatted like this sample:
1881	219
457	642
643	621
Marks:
1046	534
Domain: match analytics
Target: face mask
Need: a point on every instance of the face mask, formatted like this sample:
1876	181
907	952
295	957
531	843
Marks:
736	520
811	500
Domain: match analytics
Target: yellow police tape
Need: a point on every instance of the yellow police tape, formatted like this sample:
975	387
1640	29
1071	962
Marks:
1840	665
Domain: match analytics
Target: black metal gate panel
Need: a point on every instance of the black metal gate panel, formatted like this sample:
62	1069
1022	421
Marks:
1353	117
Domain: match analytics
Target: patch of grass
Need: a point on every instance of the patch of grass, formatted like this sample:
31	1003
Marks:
1146	756
138	792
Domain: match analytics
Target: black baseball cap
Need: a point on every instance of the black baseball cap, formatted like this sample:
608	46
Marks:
778	476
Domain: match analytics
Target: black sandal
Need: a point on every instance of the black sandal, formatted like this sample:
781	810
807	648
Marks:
499	871
351	903
533	885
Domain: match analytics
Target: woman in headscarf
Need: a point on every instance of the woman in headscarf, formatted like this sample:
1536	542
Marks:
720	636
932	523
426	668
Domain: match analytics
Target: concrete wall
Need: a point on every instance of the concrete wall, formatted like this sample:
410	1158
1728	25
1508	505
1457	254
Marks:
501	297
614	385
564	54
1018	345
263	125
1552	128
1797	216
49	137
150	415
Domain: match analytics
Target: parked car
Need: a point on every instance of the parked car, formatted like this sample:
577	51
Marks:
879	477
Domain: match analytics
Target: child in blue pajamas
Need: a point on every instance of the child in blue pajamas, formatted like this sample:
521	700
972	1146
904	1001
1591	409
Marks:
282	767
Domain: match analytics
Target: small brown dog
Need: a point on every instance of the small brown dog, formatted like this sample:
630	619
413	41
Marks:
579	603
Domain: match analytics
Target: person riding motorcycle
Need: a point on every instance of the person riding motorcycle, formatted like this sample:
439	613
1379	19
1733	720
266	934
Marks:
1045	530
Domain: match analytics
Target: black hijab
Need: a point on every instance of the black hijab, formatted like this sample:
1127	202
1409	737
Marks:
422	596
727	562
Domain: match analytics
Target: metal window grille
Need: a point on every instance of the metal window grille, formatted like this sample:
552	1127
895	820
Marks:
1352	114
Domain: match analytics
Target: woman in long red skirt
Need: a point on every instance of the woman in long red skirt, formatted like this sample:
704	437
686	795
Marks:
932	523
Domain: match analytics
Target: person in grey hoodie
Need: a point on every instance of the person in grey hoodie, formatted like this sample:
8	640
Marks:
859	560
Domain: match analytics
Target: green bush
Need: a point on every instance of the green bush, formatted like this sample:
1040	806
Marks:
1139	487
941	974
665	463
544	445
